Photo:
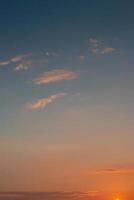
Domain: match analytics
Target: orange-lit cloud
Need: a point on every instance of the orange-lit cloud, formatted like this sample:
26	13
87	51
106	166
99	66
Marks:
113	171
18	58
93	192
48	195
56	76
98	47
3	63
107	50
41	103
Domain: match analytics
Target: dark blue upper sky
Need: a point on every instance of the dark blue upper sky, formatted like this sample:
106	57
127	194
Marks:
33	24
44	29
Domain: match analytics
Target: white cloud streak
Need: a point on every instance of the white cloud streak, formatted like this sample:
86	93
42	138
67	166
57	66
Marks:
41	103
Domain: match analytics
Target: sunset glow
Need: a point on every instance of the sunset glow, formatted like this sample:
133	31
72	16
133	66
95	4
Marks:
66	100
117	198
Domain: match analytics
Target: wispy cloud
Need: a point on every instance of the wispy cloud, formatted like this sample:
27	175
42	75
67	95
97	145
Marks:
52	54
15	59
113	171
55	76
41	103
107	50
94	42
23	66
48	195
98	47
11	195
19	58
82	57
3	63
93	193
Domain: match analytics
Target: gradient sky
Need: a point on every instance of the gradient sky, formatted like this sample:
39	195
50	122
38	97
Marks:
67	96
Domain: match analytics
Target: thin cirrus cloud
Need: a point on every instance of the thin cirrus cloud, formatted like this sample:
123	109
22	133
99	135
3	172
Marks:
107	50
111	171
17	59
98	47
23	66
49	195
55	76
94	42
93	193
41	103
3	63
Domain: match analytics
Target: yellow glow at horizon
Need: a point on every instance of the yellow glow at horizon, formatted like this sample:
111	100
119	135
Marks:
117	198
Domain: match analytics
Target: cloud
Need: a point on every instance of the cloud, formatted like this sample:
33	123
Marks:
23	66
41	103
94	42
55	76
12	195
47	195
3	63
95	51
107	50
98	47
82	57
93	193
113	171
18	58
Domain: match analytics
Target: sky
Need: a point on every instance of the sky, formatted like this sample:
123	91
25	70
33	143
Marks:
66	96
